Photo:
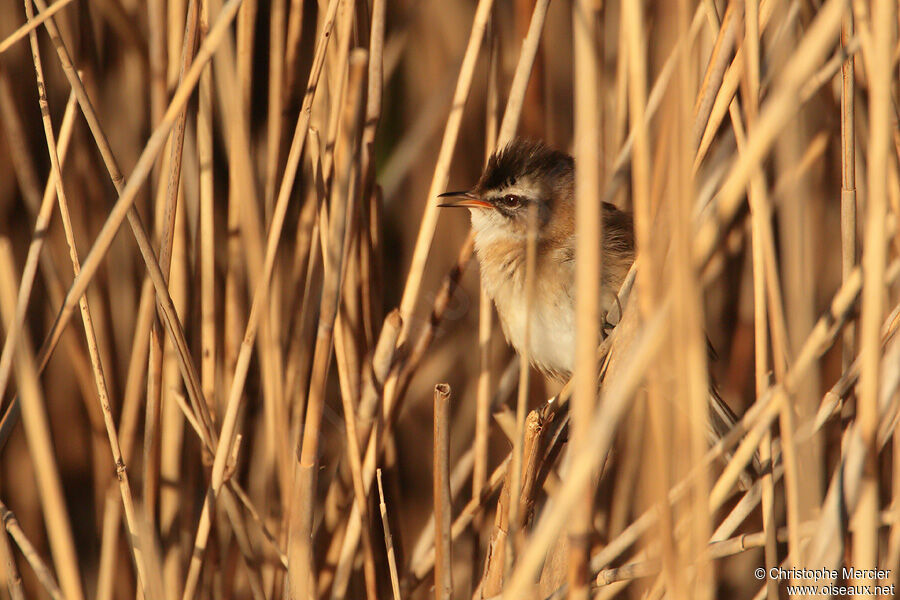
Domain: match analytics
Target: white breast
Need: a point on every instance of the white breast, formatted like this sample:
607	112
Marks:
551	320
551	334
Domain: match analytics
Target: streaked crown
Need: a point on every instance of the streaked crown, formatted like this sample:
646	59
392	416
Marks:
526	172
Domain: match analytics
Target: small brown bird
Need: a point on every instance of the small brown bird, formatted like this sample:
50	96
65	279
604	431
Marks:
528	175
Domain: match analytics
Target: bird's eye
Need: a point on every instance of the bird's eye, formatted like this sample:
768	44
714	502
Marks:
511	201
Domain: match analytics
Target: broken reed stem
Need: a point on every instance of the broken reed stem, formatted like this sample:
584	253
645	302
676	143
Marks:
388	540
443	573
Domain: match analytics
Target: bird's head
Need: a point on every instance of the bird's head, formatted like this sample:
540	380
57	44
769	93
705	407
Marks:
521	177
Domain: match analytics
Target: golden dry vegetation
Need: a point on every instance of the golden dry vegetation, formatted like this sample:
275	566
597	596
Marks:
242	392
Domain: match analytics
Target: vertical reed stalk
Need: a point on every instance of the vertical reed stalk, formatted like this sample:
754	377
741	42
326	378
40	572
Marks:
865	539
302	568
40	445
443	574
588	273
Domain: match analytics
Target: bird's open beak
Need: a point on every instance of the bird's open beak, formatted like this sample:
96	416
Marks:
463	199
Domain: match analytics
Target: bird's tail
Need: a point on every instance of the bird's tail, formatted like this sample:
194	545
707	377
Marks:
721	421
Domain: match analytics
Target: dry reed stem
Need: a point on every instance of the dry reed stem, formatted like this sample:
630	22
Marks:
715	70
301	566
420	568
816	343
485	305
233	487
29	271
10	574
517	465
619	170
773	116
522	74
648	256
588	274
725	91
292	47
32	556
207	224
483	397
277	34
90	335
168	313
156	31
397	380
229	422
819	339
336	86
348	402
618	390
374	94
508	125
31	24
721	549
127	195
844	490
166	231
442	167
757	190
40	444
443	570
691	368
849	252
388	540
465	467
865	540
498	559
